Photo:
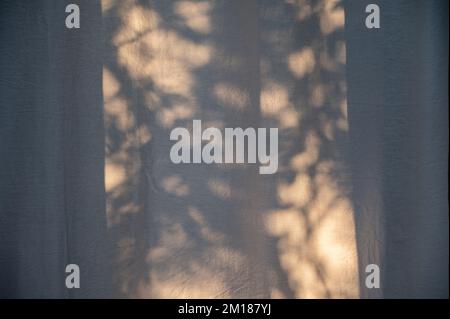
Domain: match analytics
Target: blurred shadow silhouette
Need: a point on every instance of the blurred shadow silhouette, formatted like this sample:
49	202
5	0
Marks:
223	230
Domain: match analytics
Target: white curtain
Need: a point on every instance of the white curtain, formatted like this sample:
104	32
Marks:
86	177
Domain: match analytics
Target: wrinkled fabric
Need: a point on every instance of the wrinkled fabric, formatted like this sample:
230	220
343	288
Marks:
86	176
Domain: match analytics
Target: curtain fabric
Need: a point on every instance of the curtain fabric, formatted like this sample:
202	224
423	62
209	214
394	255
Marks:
86	177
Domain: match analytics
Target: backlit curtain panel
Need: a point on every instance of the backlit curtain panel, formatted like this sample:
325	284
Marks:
224	149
